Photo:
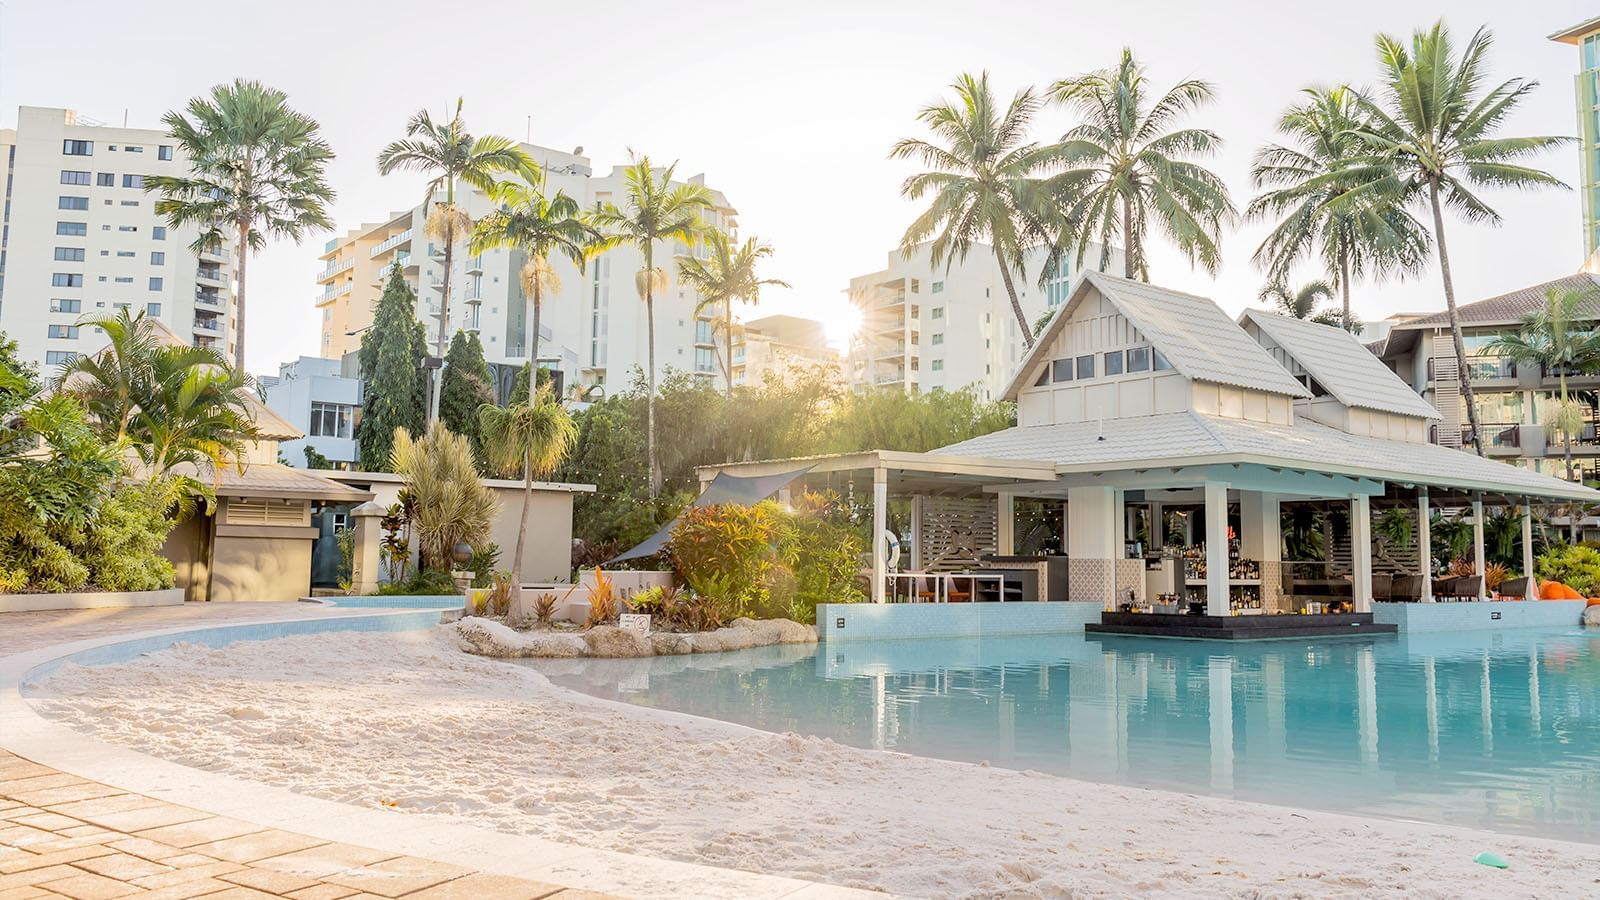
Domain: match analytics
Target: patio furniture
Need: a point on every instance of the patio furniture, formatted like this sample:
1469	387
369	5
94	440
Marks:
1382	585
1406	588
1459	589
1516	588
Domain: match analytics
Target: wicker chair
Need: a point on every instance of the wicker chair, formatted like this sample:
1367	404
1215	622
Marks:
1518	588
1406	588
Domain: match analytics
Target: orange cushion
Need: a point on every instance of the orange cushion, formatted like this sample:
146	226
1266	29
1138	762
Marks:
1555	590
1594	601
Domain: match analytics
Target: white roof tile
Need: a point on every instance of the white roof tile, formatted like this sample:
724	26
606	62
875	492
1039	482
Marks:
1342	365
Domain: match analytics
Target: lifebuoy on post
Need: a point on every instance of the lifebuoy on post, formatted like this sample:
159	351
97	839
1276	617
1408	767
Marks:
891	552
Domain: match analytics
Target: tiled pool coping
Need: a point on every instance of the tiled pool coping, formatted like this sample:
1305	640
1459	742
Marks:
30	736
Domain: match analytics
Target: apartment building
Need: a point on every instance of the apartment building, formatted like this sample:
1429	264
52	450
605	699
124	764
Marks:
1513	401
592	329
775	346
926	327
322	398
81	237
1586	37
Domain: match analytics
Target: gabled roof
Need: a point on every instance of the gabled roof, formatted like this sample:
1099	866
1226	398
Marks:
273	480
1191	438
1193	333
1510	308
1341	364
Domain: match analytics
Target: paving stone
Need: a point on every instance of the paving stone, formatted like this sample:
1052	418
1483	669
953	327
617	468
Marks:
185	876
322	892
58	858
34	876
122	866
82	809
480	885
260	845
187	860
25	837
78	831
48	820
202	887
269	880
147	817
200	831
242	893
23	893
12	785
396	877
18	811
85	886
144	849
324	860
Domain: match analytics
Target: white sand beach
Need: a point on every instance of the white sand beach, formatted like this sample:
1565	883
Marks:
408	721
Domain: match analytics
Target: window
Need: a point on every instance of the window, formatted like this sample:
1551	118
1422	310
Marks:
938	339
66	279
938	313
916	286
158	258
125	279
164	151
72	229
937	365
1061	370
1158	362
1085	367
105	179
158	232
59	357
69	176
330	419
127	228
64	305
153	309
77	148
73	203
133	149
702	331
125	253
155	283
1114	362
130	203
133	181
1139	359
937	288
69	254
64	331
702	359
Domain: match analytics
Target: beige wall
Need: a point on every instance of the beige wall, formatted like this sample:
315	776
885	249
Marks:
184	548
253	567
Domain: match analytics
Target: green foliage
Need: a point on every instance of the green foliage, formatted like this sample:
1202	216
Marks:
391	362
449	502
485	560
345	538
1397	525
395	546
465	386
425	583
1576	566
315	460
1451	536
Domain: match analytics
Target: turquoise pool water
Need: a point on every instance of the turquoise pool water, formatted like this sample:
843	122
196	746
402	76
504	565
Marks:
1500	731
396	601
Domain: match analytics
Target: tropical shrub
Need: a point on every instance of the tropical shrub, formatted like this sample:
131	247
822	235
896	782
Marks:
500	594
424	583
603	604
544	607
1578	567
449	503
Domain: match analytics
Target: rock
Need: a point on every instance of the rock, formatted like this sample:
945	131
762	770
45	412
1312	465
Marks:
667	644
709	641
486	637
613	642
1591	616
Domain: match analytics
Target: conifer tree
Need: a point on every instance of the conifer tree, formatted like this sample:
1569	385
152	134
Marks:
467	385
396	385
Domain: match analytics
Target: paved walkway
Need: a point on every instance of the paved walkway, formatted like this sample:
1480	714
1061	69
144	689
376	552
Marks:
64	836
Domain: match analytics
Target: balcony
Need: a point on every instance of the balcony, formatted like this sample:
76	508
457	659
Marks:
475	265
334	291
210	276
381	277
1501	438
435	251
218	254
393	241
208	326
335	268
209	301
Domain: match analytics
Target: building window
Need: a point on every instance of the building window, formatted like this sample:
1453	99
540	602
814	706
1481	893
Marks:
123	253
158	232
105	179
77	148
938	313
1114	362
127	228
937	365
66	279
59	357
330	419
1158	362
72	229
702	331
65	332
936	288
1061	370
124	279
158	258
69	254
73	203
1139	359
64	305
164	151
69	176
1085	367
938	338
702	359
916	286
155	283
133	181
133	149
153	309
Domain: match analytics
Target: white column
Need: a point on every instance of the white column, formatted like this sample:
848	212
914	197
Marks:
880	523
1219	683
1091	549
917	504
1527	545
1216	548
1424	545
1478	556
1261	539
1007	522
1361	552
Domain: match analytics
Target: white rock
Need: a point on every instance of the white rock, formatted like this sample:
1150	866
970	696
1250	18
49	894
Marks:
1591	615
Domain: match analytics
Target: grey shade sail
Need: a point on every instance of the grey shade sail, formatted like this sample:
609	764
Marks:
725	488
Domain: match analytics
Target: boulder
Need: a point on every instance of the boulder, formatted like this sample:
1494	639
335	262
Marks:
613	642
667	644
1591	616
486	637
709	641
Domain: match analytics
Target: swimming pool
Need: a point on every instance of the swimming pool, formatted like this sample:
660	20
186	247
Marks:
1498	730
397	601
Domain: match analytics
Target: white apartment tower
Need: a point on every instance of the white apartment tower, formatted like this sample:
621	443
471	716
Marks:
592	328
81	237
926	327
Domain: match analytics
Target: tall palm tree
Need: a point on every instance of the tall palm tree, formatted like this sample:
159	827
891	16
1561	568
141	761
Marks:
450	154
533	437
1308	186
725	275
256	171
1304	302
1127	167
1558	338
1431	138
986	180
539	226
656	210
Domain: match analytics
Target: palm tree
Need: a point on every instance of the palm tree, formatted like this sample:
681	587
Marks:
1127	167
449	153
656	211
1431	138
534	437
986	179
539	226
1307	185
256	171
1557	338
725	275
1303	303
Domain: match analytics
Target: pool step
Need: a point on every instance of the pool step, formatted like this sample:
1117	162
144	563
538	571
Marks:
1238	628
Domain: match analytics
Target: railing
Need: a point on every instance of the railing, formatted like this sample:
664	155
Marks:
210	275
208	300
392	242
336	290
1481	368
1502	435
207	324
335	268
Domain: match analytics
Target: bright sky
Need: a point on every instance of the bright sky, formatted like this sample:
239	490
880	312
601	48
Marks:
790	109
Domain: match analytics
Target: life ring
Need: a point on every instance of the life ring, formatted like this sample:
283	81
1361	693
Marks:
890	553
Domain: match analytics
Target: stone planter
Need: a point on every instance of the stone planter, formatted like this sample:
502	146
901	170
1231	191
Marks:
90	600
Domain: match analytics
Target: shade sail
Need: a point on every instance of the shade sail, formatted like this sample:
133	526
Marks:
725	488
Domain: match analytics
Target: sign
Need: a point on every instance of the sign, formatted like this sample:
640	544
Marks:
1494	615
634	622
838	622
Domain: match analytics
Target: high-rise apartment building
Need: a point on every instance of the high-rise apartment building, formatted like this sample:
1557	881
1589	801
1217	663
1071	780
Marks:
926	327
592	328
775	346
1586	37
81	237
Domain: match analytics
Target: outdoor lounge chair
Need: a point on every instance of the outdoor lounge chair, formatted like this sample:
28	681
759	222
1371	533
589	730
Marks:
1382	585
1516	588
1461	588
1406	588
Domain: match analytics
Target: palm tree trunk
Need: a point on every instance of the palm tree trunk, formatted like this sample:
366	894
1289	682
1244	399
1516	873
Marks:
727	325
650	344
1016	307
1464	375
1129	245
238	307
522	526
533	343
1344	285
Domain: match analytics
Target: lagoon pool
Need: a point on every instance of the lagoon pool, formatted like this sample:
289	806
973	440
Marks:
1498	730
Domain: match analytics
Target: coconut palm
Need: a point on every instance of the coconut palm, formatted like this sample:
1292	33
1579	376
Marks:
450	154
256	172
1307	187
1558	338
533	437
725	275
1304	302
1431	138
656	210
985	178
1127	166
539	226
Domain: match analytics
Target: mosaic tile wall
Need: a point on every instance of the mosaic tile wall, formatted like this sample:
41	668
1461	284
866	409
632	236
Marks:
887	621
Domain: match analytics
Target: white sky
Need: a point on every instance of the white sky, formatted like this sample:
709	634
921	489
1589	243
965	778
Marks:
789	108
